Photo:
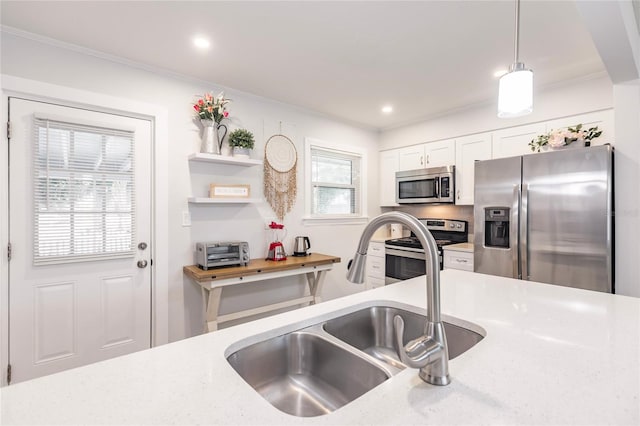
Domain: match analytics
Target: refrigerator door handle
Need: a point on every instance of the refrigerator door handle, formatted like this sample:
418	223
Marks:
515	244
524	231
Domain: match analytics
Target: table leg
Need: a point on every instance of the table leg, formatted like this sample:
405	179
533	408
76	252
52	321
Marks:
315	281
212	305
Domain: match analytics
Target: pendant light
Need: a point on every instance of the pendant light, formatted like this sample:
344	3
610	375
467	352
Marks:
515	93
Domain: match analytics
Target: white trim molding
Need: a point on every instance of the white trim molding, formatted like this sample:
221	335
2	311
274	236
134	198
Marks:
158	116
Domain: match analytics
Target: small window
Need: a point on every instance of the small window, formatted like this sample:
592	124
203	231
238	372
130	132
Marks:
335	182
83	194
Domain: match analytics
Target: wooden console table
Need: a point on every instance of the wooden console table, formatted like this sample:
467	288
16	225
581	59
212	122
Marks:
213	281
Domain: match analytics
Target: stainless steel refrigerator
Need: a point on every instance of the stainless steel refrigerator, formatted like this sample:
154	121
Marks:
547	217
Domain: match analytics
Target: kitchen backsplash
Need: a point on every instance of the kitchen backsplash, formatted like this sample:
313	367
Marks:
439	212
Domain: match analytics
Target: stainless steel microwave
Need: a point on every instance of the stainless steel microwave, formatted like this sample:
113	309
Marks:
422	186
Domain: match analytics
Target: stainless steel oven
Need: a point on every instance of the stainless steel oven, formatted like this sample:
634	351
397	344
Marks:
405	257
403	263
434	185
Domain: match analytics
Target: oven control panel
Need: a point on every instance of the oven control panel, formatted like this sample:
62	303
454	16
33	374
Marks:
445	225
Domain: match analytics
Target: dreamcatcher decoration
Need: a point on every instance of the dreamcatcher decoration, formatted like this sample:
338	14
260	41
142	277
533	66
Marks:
280	160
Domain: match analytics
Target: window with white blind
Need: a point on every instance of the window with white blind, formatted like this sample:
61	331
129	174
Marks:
83	192
335	182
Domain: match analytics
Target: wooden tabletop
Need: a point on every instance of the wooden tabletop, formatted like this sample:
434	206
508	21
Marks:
257	266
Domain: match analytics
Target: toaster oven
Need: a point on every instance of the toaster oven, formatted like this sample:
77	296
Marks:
222	253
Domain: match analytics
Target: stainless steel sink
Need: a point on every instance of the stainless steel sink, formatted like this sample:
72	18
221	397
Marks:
371	331
320	368
305	375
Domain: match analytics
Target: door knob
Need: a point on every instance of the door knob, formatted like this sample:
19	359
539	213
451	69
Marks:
142	264
142	246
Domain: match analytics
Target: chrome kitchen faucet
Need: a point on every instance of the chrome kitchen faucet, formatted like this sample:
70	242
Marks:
429	352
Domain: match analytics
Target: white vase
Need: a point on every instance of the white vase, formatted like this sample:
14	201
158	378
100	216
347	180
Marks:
240	152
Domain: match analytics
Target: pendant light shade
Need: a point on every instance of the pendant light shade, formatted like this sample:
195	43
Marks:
515	93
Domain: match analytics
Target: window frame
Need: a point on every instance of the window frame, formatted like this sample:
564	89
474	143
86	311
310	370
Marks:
360	188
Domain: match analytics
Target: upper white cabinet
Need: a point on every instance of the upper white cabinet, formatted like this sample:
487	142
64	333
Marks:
432	154
469	149
602	119
411	157
440	153
515	140
388	166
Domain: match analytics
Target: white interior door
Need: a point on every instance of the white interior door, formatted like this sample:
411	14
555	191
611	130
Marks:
79	209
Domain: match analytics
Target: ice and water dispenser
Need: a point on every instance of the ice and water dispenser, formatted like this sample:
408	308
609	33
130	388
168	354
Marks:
496	227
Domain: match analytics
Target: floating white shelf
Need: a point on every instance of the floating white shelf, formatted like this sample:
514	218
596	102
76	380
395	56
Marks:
202	200
224	159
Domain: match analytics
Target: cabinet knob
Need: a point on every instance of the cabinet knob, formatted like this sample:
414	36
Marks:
427	159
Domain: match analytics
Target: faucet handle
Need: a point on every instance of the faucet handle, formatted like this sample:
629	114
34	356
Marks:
415	354
428	353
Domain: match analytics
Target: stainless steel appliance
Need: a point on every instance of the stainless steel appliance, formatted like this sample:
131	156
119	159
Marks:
301	245
434	185
405	258
547	217
222	253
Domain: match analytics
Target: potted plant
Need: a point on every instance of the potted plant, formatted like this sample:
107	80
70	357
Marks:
212	110
242	142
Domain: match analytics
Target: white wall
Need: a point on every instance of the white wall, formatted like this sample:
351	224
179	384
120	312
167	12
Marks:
627	177
581	96
57	65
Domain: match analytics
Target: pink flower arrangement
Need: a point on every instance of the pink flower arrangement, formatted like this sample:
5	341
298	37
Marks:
562	137
212	108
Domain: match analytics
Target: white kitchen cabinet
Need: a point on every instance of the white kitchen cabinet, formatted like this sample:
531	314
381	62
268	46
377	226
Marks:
375	268
388	166
602	119
469	149
411	157
432	154
515	140
440	153
458	260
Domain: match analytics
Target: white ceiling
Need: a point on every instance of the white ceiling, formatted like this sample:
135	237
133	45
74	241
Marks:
343	59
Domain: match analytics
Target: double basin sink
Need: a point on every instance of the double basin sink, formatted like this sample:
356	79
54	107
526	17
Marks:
320	368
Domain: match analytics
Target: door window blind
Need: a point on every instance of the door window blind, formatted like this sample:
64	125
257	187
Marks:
335	181
83	192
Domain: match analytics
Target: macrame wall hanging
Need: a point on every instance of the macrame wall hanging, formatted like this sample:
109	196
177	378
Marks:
280	161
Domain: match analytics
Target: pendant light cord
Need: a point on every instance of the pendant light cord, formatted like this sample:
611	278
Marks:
517	33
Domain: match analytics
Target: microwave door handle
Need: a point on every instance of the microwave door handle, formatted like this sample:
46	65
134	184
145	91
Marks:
438	187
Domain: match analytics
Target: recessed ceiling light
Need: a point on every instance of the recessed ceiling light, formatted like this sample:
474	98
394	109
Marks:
201	42
387	109
499	73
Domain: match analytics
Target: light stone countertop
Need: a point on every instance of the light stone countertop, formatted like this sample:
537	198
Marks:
466	247
552	355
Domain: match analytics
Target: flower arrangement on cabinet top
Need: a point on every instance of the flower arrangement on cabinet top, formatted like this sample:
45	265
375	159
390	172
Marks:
212	107
563	137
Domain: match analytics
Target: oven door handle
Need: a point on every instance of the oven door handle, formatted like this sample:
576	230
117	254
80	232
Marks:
410	253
